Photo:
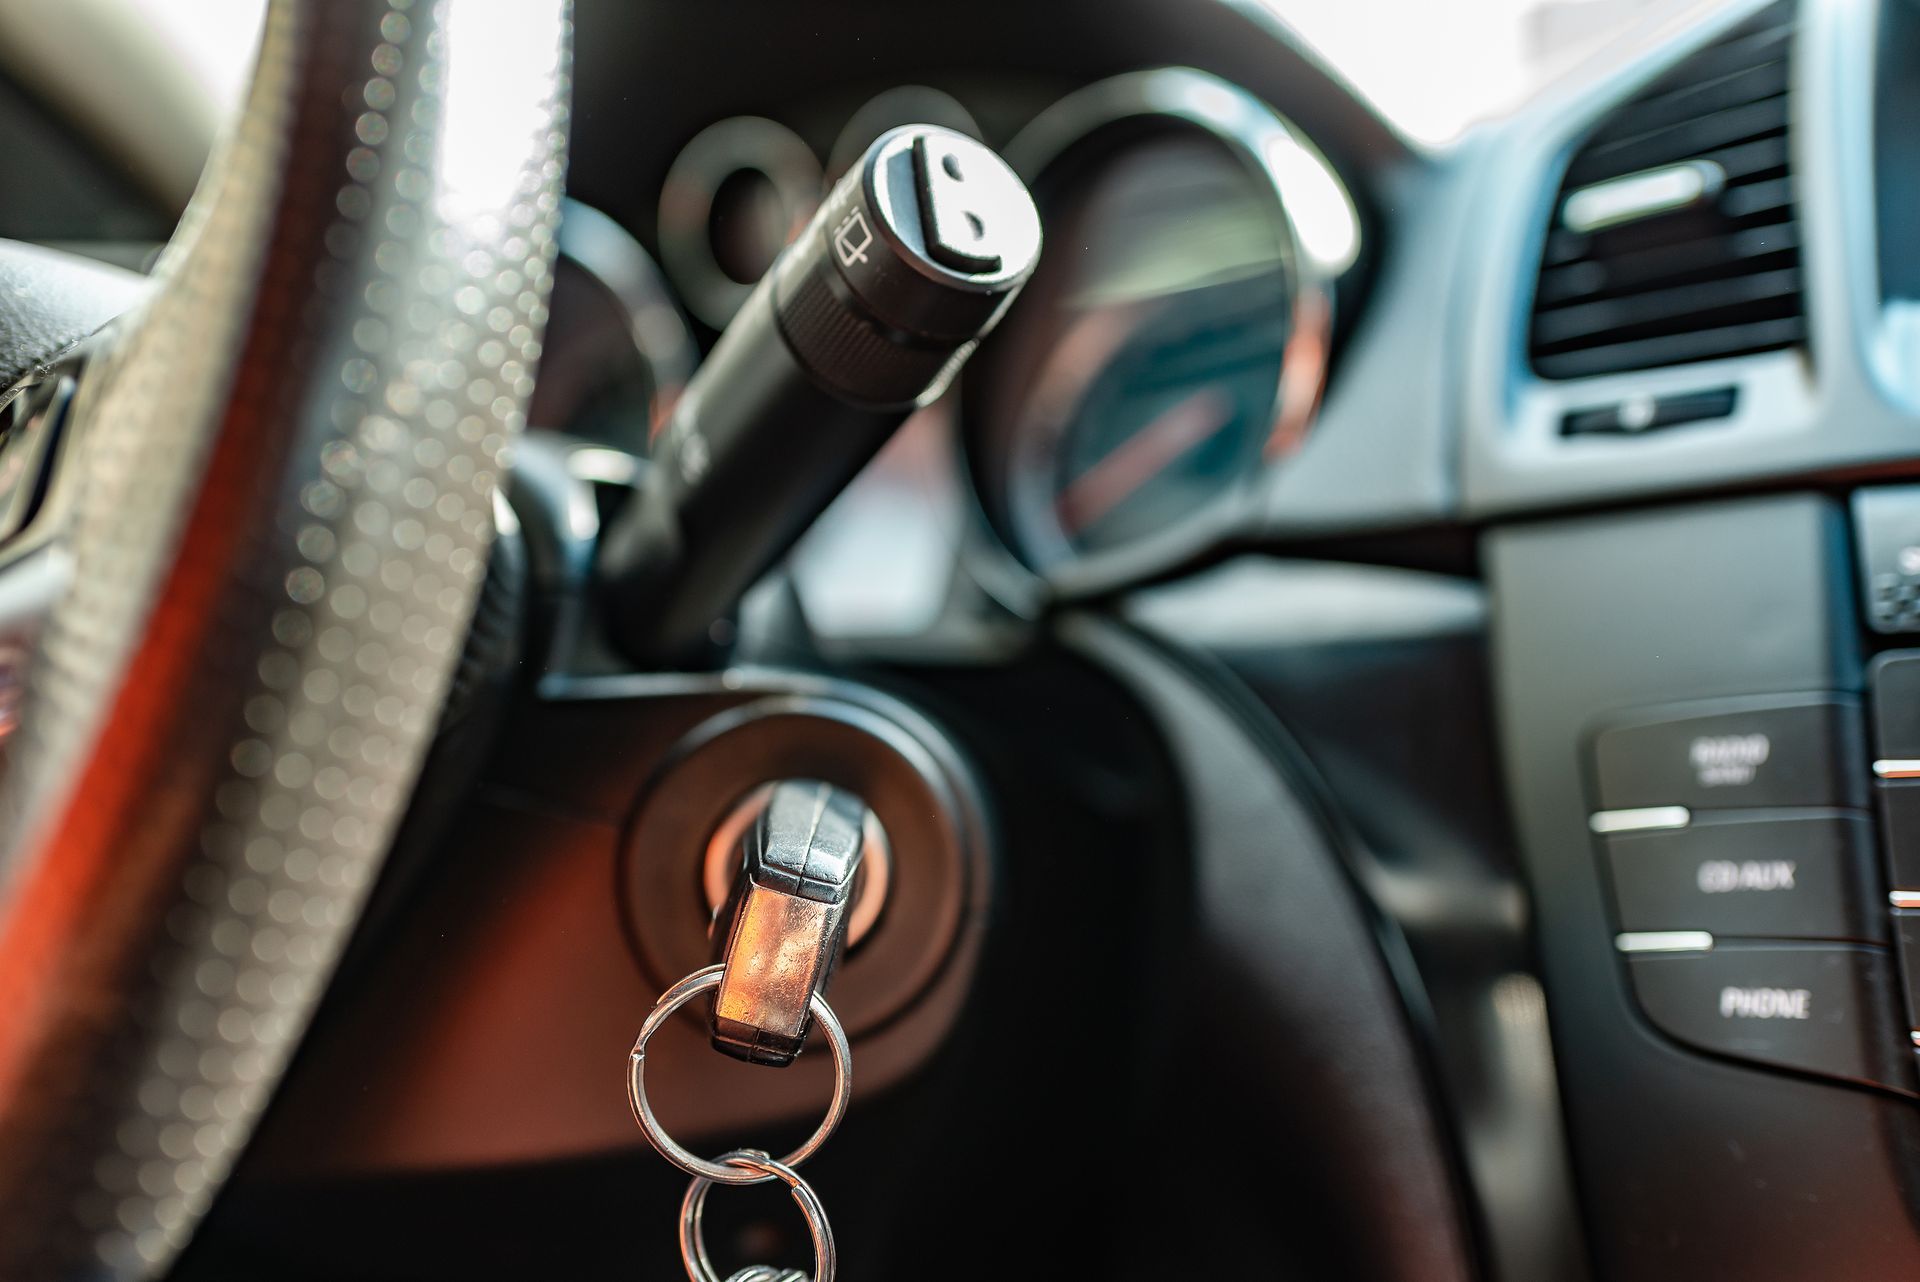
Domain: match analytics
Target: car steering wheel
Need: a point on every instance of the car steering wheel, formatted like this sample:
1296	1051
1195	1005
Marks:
266	522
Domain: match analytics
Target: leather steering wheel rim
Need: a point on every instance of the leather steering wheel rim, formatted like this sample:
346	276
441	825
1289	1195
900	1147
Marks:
274	506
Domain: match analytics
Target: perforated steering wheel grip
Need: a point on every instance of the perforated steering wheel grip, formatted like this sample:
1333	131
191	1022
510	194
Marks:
272	507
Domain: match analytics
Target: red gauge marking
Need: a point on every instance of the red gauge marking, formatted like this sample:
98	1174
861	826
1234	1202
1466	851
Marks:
1141	457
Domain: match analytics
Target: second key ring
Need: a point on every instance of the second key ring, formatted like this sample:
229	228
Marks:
722	1172
693	1246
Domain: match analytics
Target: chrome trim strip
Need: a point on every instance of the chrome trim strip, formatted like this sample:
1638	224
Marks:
1639	820
1663	941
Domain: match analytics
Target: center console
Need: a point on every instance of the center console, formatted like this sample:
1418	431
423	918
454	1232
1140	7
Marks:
1696	729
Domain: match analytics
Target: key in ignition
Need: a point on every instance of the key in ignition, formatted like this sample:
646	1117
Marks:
785	924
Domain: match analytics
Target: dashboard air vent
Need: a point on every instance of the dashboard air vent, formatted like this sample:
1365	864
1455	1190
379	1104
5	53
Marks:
1673	237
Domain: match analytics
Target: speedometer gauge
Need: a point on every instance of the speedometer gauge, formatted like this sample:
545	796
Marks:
1170	348
1162	351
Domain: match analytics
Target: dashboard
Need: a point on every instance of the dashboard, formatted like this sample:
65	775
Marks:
1392	432
1635	363
1138	410
1628	360
1553	498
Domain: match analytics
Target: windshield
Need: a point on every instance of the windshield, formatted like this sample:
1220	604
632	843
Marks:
1436	69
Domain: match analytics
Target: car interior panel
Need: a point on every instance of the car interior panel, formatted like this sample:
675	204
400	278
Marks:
1197	638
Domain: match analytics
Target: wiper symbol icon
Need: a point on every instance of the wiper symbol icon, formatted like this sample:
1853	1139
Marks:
851	238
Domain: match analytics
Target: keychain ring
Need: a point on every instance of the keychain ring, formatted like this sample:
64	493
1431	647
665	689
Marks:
724	1172
693	1209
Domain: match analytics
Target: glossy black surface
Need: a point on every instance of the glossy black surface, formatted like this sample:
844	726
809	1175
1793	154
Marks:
1815	1008
1690	1166
1787	876
1793	751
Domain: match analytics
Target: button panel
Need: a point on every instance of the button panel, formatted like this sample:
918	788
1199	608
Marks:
1788	875
1751	904
1817	1008
1801	751
1894	682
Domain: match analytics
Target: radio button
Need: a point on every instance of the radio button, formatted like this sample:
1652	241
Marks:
1827	1009
1792	877
1798	751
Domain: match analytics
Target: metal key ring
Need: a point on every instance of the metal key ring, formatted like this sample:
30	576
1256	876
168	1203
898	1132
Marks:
693	1209
735	1173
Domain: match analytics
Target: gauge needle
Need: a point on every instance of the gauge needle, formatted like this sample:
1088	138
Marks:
1141	457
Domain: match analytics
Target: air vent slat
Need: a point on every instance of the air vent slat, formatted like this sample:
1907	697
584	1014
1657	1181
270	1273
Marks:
1758	198
1658	306
1749	84
1688	259
1700	345
1680	141
1765	37
1753	158
1766	208
1700	279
